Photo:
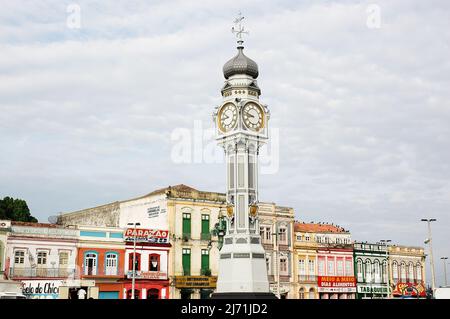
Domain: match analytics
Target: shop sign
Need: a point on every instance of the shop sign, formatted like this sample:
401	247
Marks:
336	284
155	275
407	289
154	236
274	289
195	281
41	289
367	289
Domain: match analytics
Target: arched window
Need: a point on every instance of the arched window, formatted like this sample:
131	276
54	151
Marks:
385	273
376	270
403	272
411	276
111	263
90	263
301	293
368	271
395	271
360	270
419	272
312	295
153	262
153	293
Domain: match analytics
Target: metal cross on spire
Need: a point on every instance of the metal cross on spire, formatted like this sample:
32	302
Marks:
238	28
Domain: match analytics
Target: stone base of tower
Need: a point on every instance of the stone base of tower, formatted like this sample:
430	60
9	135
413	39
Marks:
242	269
243	295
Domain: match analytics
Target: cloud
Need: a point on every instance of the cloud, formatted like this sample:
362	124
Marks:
86	114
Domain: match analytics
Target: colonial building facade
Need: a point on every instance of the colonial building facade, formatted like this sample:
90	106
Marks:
276	225
407	271
371	270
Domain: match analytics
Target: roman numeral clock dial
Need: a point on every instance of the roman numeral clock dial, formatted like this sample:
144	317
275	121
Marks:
253	116
228	116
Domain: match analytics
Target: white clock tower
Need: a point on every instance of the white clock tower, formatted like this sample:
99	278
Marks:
241	129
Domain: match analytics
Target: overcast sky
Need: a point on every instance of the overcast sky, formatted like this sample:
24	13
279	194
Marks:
362	108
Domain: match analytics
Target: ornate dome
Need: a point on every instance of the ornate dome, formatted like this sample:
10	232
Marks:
240	64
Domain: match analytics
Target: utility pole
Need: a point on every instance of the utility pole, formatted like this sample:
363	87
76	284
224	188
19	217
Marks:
133	278
444	260
430	243
388	265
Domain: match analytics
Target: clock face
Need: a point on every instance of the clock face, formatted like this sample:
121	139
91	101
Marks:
253	116
228	116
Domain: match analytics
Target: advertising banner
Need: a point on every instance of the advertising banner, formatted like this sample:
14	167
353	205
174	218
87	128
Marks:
195	281
149	212
153	236
409	289
41	289
373	289
155	275
336	284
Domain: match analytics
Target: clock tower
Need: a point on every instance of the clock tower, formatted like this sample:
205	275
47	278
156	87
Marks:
241	122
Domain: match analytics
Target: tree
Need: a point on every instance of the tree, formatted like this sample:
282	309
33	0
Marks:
16	210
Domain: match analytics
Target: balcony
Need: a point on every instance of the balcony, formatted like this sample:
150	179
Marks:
41	272
307	278
205	272
205	236
186	236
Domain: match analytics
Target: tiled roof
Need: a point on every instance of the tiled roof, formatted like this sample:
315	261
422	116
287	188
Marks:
318	228
40	225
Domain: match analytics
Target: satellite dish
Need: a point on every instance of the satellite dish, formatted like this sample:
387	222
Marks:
53	219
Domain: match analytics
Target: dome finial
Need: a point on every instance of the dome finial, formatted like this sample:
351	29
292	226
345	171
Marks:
238	30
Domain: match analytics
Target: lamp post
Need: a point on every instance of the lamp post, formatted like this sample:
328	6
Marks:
444	260
133	278
388	265
430	243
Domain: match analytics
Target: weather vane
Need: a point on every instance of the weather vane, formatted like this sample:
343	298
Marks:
238	29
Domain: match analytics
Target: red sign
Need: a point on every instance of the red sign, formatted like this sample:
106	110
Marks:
336	283
156	236
402	289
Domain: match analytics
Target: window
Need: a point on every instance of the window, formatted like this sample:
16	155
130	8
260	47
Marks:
111	264
411	272
266	234
307	238
186	261
419	272
137	265
19	257
368	271
42	258
63	259
268	266
376	270
311	270
359	270
301	293
330	268
187	225
301	267
311	294
90	264
282	234
153	262
403	272
340	267
283	265
321	267
348	267
395	271
205	227
205	261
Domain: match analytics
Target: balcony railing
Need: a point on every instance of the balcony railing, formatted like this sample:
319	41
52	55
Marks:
307	278
102	272
205	236
38	272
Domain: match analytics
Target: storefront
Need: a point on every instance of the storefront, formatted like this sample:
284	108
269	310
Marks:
409	289
372	291
192	287
41	289
78	289
336	287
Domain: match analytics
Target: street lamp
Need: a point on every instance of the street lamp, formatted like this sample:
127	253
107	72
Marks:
444	260
388	265
430	243
133	278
